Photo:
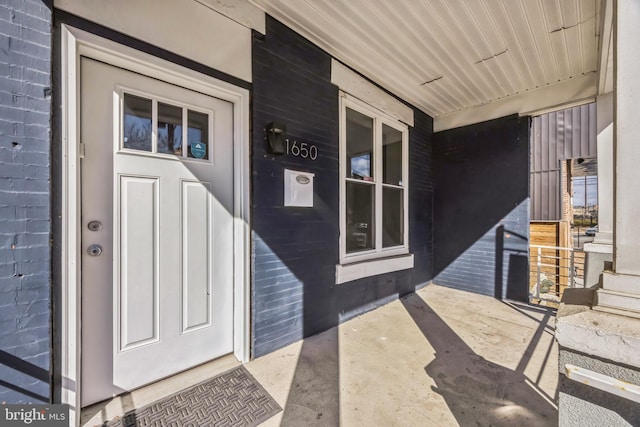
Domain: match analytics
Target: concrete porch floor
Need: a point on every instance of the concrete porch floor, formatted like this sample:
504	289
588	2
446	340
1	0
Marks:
439	357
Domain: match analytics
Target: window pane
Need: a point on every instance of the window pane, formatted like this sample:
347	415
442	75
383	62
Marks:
169	129
198	135
391	155
359	146
360	217
136	123
392	217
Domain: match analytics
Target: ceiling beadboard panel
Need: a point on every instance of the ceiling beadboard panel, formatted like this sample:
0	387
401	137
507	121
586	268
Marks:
445	56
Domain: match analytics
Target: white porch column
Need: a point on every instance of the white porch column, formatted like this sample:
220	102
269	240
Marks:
595	341
621	287
600	251
604	112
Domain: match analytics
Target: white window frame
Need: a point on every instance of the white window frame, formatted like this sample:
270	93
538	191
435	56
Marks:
379	118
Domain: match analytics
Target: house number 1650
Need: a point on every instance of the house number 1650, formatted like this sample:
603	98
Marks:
302	149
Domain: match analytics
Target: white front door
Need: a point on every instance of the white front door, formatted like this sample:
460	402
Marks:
157	236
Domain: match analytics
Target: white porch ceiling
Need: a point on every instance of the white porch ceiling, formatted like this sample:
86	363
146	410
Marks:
460	61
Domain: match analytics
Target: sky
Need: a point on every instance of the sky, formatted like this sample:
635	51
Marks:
579	187
361	165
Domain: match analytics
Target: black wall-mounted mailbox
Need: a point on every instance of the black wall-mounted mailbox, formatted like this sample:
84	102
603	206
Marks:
276	134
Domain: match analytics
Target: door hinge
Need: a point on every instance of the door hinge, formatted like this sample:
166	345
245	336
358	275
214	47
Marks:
81	150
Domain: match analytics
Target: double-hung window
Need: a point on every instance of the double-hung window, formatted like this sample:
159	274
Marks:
373	187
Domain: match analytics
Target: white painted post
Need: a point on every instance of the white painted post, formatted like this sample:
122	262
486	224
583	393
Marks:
604	112
539	266
621	287
572	265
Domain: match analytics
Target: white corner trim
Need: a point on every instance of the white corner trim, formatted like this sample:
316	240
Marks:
77	43
241	11
349	272
361	88
70	238
605	49
603	382
552	97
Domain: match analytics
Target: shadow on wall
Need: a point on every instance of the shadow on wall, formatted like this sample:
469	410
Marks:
31	381
295	250
497	395
481	207
510	276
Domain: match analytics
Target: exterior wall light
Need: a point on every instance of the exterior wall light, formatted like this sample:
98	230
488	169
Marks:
276	135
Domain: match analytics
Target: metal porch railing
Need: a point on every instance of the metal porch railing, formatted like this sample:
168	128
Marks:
552	270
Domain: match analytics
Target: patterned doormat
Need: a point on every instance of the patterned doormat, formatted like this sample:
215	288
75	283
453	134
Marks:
233	398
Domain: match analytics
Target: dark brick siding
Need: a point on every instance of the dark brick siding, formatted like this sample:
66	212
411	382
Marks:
481	201
25	109
295	250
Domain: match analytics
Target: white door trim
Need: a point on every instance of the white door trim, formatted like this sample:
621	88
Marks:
77	43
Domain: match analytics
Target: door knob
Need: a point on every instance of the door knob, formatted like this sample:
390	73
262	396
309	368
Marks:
94	250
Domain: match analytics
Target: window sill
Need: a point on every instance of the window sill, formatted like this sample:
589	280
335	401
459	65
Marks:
349	272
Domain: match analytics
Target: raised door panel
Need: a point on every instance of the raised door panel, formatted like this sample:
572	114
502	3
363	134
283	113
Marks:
138	287
196	255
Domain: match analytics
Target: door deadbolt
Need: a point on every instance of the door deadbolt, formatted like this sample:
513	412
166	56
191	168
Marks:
94	250
94	225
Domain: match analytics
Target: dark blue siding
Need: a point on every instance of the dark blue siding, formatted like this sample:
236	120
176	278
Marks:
295	250
481	215
25	111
